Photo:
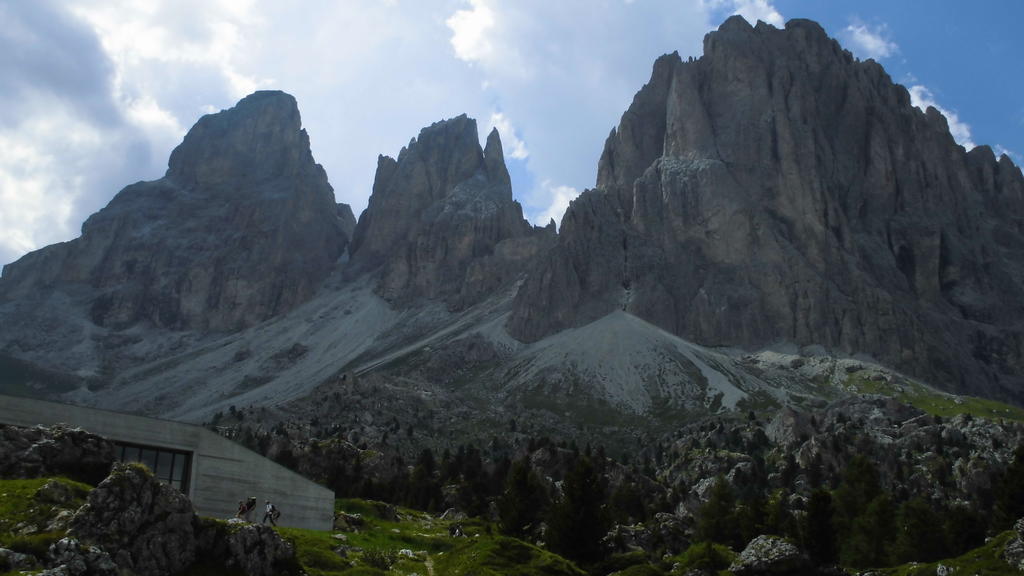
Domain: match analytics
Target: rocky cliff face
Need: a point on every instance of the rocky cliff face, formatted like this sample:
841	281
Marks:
777	189
242	227
441	222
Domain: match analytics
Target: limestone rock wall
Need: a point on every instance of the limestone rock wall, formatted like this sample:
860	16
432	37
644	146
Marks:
777	189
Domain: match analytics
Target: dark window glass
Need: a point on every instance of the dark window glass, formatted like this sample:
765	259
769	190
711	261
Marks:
163	465
168	466
148	458
179	468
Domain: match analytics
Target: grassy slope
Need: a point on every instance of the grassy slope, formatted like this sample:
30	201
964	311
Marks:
483	552
933	401
984	561
19	507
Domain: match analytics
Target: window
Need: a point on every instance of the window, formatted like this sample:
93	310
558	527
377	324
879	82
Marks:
169	466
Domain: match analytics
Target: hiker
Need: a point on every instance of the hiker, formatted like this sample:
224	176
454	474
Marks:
271	513
241	509
250	505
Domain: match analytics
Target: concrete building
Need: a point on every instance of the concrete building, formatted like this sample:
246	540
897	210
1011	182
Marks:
213	471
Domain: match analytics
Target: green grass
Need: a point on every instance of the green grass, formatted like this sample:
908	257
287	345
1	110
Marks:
416	531
18	504
935	402
499	556
20	508
482	552
703	556
984	561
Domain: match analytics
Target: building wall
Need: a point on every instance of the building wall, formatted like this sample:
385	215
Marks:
223	472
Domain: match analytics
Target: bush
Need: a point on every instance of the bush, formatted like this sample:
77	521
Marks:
705	556
380	559
35	544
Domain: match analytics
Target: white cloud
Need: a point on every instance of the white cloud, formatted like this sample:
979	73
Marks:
559	198
922	97
999	150
45	169
868	42
751	10
515	147
471	31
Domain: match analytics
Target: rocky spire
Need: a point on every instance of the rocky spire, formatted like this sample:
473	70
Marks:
441	222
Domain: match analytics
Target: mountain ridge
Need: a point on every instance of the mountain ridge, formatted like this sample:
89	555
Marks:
773	193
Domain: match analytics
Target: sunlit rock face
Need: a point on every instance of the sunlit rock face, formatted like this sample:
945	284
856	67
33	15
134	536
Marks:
777	189
242	227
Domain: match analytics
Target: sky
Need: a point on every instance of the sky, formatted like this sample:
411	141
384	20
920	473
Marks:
94	94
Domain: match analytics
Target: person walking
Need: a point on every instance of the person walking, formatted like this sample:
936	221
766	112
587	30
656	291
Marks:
270	513
250	505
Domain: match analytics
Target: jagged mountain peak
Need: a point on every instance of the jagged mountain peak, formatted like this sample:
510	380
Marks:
441	222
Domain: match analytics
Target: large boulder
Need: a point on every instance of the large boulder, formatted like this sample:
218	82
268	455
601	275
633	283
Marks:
1014	551
770	555
11	561
255	549
54	451
68	557
147	526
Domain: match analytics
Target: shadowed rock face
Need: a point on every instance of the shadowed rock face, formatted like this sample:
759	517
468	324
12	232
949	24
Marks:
441	222
242	227
778	189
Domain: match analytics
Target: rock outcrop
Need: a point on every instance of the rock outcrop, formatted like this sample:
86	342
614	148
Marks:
441	222
777	189
770	555
254	549
147	526
68	557
242	227
54	451
1014	551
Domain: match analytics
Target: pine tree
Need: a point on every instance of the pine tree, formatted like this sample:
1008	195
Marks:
817	533
521	505
578	520
965	529
1009	496
716	521
871	535
918	537
859	487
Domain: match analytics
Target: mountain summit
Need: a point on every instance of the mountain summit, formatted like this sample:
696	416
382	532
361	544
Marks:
779	190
